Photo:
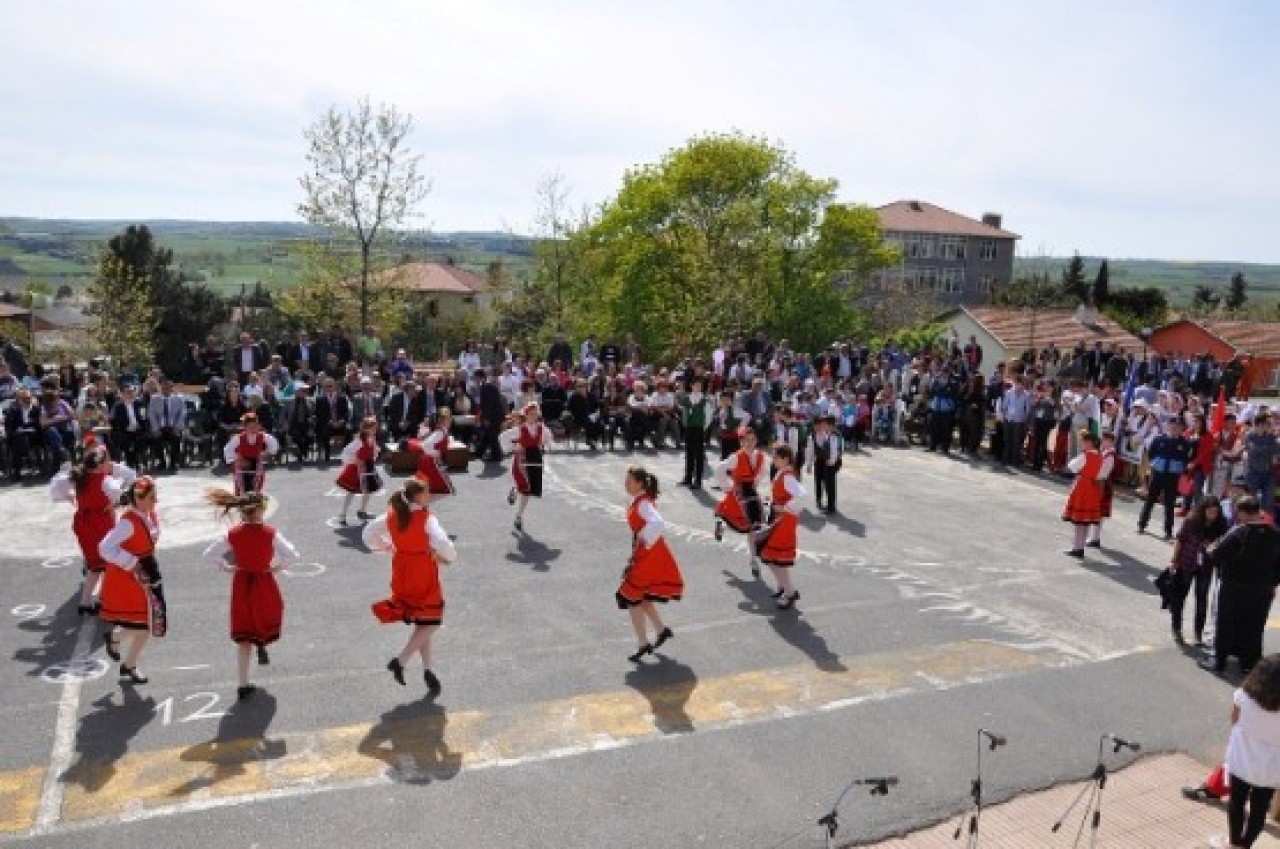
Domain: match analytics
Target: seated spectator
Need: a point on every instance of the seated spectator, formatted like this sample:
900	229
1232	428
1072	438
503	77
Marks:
230	412
167	422
299	424
663	417
92	415
639	423
8	383
277	374
400	365
57	426
22	430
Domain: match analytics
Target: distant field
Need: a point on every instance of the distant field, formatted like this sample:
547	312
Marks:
1178	279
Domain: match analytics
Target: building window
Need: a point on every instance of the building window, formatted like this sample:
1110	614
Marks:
926	280
988	251
951	247
987	284
952	281
919	246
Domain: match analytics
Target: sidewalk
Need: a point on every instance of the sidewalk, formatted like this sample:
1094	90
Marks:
1143	808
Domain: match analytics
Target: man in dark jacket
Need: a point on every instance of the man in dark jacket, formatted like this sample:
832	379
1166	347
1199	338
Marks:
128	426
1169	454
493	411
1248	562
406	411
333	417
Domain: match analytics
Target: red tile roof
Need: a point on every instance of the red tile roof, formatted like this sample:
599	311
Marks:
1013	327
1260	338
434	277
916	216
13	312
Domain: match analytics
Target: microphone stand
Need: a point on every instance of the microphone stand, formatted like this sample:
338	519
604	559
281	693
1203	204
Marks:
879	787
1098	783
975	791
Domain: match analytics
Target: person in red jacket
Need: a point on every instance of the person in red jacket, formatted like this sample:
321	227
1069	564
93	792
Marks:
94	486
252	551
1203	460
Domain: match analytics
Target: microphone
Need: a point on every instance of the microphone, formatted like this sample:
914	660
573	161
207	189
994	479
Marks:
888	781
1121	743
996	740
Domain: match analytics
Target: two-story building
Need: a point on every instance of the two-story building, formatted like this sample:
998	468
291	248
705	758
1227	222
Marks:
956	259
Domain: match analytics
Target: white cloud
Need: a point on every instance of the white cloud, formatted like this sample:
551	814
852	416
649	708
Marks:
1125	129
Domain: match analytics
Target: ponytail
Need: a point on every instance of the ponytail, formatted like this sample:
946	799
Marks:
226	501
402	501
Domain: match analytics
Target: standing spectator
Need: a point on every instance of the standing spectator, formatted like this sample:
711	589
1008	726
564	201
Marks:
248	357
304	355
1169	454
1248	562
562	351
1253	753
369	346
167	419
14	357
1015	410
400	365
1191	565
610	354
337	345
942	409
8	383
1262	455
1044	415
492	413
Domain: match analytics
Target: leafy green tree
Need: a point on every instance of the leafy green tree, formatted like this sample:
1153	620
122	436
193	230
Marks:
1102	285
123	323
1074	285
362	180
1136	308
329	293
724	234
1237	292
1205	297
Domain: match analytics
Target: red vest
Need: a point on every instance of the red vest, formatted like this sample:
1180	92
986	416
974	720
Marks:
139	543
368	450
634	519
780	495
529	439
747	467
89	495
252	546
247	449
413	539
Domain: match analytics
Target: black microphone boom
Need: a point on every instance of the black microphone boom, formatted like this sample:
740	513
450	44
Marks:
1120	743
996	740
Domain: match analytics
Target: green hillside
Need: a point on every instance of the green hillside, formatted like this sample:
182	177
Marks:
1179	279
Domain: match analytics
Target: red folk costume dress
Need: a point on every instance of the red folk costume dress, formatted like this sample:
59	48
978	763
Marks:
1084	503
95	500
741	508
431	466
778	547
359	473
247	457
257	608
526	467
652	574
129	550
417	597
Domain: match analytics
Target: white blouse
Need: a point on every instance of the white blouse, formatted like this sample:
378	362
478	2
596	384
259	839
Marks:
112	546
1253	752
653	526
378	537
119	478
271	446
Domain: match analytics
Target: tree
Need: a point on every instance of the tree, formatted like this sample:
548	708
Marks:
1134	309
1102	285
1237	292
725	234
328	294
1205	297
362	180
123	321
1073	282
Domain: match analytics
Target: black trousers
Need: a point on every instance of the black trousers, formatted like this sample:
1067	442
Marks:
1184	583
1163	485
1040	431
824	481
1244	830
1241	622
166	443
487	443
941	427
695	455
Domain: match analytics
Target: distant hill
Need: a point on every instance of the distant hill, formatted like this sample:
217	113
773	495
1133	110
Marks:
1178	278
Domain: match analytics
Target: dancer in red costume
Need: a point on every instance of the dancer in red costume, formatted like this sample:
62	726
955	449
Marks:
359	474
527	443
742	476
252	551
1084	503
132	596
94	487
431	446
246	453
777	541
652	574
418	546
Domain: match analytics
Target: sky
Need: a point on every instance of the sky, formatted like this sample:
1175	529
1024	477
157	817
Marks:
1120	128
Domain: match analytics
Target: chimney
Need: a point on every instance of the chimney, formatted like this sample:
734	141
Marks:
991	219
915	205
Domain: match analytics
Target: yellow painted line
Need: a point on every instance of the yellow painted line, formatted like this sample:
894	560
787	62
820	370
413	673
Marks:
420	742
20	798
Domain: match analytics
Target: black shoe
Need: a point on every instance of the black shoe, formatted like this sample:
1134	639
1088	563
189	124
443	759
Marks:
511	497
789	602
1199	641
363	516
719	531
684	483
85	609
1078	553
1168	536
112	647
779	594
245	692
130	675
1094	543
342	521
663	637
640	653
1212	664
1197	794
263	658
397	671
1178	637
755	570
1142	529
434	687
519	524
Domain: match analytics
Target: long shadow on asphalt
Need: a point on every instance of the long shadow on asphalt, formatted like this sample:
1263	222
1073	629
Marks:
532	552
104	734
847	524
787	623
410	740
57	637
1123	569
667	686
350	537
490	470
241	740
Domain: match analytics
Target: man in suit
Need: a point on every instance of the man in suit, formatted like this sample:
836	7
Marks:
406	411
128	425
167	421
333	417
300	418
492	413
22	425
248	357
304	354
367	404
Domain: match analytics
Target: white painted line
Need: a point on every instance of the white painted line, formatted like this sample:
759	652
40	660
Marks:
64	736
189	668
